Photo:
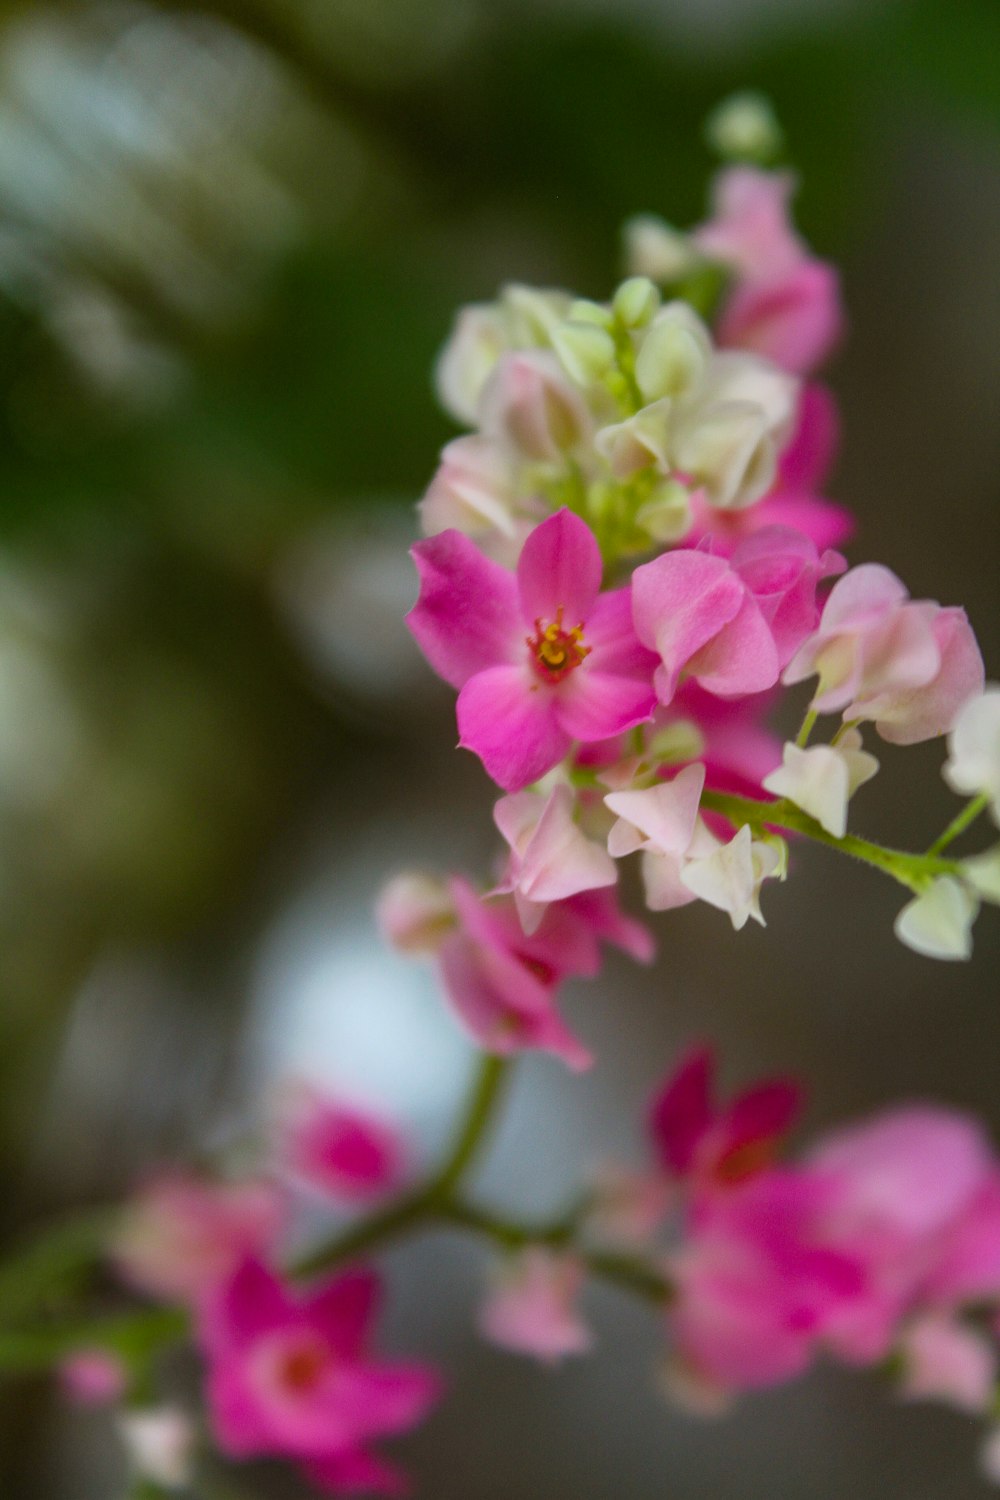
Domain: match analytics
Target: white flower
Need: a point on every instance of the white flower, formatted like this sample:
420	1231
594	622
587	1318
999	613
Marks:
823	778
973	764
938	923
731	876
160	1444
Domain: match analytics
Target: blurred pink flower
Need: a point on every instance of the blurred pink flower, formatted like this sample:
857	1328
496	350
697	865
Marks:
92	1377
531	1305
181	1234
340	1150
290	1375
784	302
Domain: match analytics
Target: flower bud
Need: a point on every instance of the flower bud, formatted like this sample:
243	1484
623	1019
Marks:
470	491
639	441
822	779
415	912
586	351
744	127
666	515
531	314
636	301
655	249
529	404
674	353
476	341
938	923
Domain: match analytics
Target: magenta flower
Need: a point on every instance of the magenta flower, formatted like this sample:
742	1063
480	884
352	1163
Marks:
290	1375
696	1139
730	623
503	983
344	1152
541	657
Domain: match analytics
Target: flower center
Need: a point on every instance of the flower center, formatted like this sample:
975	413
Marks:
557	652
302	1365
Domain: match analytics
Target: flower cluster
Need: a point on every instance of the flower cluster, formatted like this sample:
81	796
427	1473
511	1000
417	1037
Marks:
628	564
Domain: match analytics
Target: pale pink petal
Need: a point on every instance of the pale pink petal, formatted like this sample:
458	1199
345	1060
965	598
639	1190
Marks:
557	859
508	717
914	1168
666	813
908	716
467	616
944	1361
559	567
531	1306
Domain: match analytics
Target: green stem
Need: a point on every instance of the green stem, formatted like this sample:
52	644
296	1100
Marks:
418	1208
484	1097
807	727
912	870
624	1271
970	812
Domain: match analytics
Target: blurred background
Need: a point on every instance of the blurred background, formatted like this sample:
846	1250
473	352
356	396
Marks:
232	236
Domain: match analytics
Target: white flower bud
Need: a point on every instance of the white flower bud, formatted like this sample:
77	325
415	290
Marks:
938	923
655	249
822	779
586	351
744	127
636	301
666	515
973	764
982	872
639	441
674	353
476	342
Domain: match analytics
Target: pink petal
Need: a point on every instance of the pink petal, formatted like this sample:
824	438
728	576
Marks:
681	601
793	319
808	457
508	717
467	616
924	713
391	1398
610	635
252	1302
559	567
599	914
742	658
357	1473
344	1310
682	1111
595	705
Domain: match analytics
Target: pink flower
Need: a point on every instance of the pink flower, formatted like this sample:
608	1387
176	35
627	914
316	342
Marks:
945	1362
966	1262
550	856
541	658
344	1152
531	1306
503	982
909	665
730	623
181	1235
902	1184
696	1139
785	304
290	1375
757	1282
92	1377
